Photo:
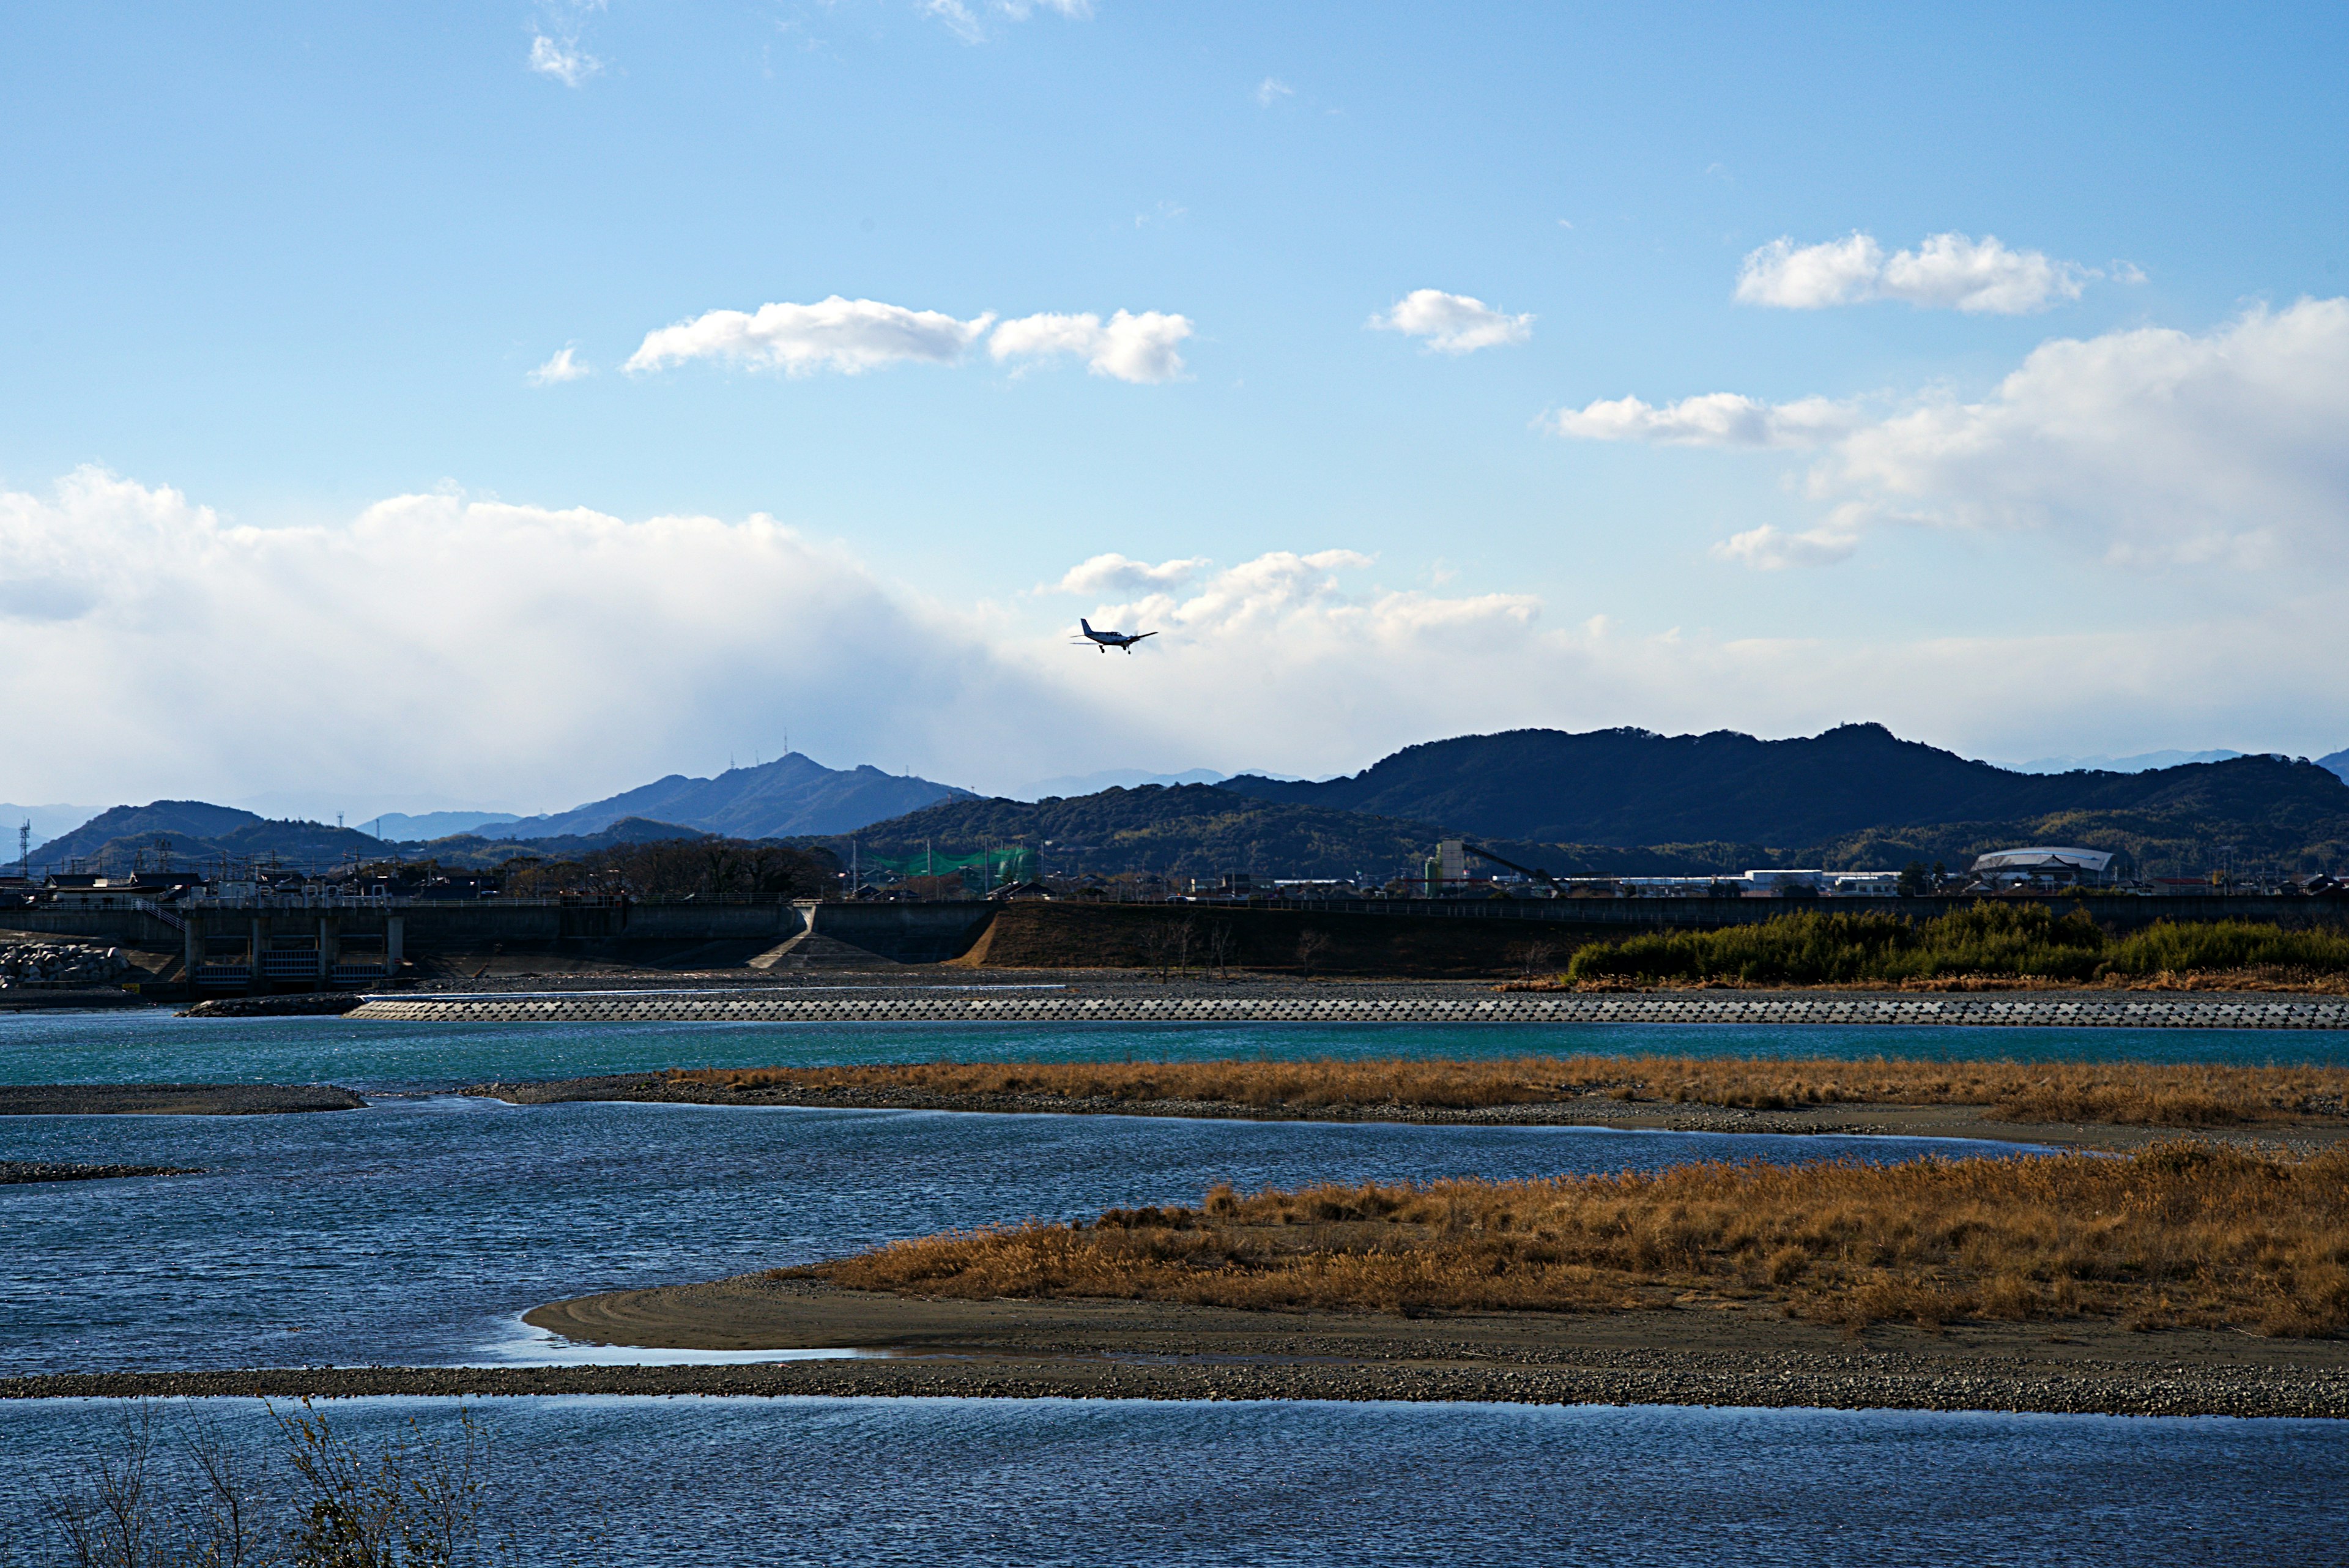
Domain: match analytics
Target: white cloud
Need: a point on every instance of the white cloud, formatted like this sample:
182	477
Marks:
1271	90
957	17
1714	419
566	62
1130	347
1766	549
1452	323
1116	573
1947	272
561	368
849	335
966	25
2147	446
441	645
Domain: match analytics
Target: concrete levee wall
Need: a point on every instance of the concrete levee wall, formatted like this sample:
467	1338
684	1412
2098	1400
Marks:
931	933
909	933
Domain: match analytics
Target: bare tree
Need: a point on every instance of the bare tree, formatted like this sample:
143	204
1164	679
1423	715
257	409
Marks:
1181	942
1533	955
1220	938
1311	944
1154	940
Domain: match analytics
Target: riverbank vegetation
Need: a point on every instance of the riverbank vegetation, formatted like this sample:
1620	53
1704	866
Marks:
2017	941
183	1494
2182	1235
2127	1093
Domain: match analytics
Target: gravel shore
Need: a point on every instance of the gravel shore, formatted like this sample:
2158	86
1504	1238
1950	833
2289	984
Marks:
1625	1378
172	1099
17	1172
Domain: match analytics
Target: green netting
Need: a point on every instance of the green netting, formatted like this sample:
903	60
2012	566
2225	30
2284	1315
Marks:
1016	863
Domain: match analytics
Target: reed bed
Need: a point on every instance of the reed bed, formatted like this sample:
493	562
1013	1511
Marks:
2126	1093
2017	941
2181	1235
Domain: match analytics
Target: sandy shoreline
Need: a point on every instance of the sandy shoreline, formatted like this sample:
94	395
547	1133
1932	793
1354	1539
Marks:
1698	1353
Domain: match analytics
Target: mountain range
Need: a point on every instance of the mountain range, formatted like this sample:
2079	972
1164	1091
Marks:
1634	787
791	795
1622	802
1632	803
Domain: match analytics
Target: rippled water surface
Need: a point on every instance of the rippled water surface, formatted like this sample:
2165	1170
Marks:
151	1046
415	1230
1053	1482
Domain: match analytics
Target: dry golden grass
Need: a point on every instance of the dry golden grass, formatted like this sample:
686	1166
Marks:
2275	978
2135	1094
2182	1235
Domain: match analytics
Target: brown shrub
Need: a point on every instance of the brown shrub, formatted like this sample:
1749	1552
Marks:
2141	1093
2182	1234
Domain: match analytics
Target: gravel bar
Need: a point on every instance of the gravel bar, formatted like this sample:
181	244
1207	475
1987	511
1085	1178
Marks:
16	1172
172	1099
1858	1382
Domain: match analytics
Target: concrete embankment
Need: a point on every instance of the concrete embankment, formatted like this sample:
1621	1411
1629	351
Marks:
930	1007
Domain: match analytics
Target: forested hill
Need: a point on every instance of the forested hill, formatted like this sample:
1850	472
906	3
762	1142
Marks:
1201	830
196	833
1633	787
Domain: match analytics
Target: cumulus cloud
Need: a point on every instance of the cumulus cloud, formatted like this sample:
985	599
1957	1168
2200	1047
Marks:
2147	446
1116	573
439	644
850	336
1767	549
561	367
1452	323
1714	419
1130	347
1947	272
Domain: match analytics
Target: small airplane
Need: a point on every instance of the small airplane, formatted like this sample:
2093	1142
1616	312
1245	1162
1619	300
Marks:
1105	640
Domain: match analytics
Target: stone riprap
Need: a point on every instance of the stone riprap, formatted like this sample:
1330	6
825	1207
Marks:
2130	1012
37	965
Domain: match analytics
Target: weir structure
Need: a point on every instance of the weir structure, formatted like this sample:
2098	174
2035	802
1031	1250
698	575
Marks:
262	945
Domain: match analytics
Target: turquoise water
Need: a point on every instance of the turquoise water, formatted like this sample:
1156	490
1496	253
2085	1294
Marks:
943	1481
155	1048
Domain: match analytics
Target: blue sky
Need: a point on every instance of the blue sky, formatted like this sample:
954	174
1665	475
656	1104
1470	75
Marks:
278	281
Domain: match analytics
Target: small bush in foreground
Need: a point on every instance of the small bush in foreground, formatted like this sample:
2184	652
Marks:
2185	1235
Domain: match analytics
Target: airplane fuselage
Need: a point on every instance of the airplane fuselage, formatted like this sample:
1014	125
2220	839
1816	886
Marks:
1104	642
